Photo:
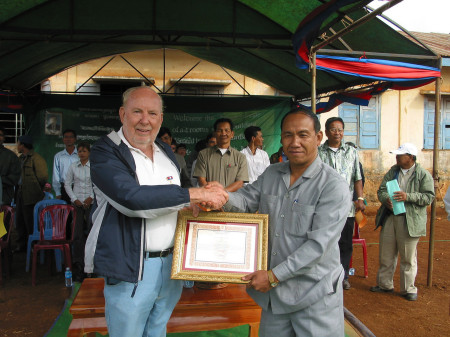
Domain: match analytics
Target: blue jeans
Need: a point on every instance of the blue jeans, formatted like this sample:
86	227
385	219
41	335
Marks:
147	313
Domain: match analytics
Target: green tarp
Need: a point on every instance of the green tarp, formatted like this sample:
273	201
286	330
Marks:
252	37
189	118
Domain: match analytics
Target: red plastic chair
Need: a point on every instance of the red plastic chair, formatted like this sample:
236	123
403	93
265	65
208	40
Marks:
5	248
59	215
356	240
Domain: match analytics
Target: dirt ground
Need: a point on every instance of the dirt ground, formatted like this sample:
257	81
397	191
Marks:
31	311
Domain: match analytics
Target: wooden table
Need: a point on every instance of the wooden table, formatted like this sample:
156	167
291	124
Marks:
197	310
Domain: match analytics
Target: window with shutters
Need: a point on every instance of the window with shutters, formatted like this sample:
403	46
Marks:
362	124
444	130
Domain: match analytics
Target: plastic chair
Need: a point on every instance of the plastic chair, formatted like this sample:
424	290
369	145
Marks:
356	240
5	248
35	236
59	215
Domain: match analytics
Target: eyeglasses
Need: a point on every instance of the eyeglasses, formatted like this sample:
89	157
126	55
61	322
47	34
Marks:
334	130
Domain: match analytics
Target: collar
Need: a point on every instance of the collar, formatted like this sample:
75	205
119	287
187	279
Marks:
327	146
122	137
88	164
74	152
309	173
405	171
216	148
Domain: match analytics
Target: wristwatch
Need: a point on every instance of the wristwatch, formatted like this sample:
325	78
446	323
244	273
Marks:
272	281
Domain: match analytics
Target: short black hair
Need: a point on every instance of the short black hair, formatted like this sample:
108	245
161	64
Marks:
181	145
84	145
332	120
251	131
305	111
2	129
70	130
163	130
209	136
223	120
27	145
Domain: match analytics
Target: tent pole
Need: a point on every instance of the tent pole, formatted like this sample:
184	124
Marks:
164	70
355	24
312	63
437	118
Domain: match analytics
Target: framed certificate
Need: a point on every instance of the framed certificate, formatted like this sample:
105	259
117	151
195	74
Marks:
219	246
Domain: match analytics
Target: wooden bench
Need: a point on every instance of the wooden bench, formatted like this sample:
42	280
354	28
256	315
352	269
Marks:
197	310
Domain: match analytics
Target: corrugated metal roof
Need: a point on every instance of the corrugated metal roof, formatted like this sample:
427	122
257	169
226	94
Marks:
438	42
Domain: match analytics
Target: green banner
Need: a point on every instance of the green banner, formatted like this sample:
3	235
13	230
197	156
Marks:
189	118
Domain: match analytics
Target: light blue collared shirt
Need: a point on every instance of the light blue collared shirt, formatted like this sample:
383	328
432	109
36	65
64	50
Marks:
61	164
79	176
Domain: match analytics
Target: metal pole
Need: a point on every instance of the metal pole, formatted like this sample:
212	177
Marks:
355	24
164	70
103	66
437	118
312	64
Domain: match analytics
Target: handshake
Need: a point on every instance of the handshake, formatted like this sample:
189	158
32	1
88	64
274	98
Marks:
210	196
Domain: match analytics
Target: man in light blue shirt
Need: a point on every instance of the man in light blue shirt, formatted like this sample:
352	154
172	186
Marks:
62	162
307	203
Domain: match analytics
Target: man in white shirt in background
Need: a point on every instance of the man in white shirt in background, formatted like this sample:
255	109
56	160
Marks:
62	162
78	187
257	159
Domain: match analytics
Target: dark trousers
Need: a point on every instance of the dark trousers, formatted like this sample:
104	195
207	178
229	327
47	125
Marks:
24	222
80	234
64	195
346	245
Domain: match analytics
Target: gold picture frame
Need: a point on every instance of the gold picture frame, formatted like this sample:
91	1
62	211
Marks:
219	246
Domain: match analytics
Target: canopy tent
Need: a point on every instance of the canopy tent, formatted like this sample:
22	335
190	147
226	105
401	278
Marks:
39	38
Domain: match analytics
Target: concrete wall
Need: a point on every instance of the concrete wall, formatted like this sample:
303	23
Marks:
151	64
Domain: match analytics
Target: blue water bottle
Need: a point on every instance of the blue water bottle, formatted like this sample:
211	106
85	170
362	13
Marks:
68	276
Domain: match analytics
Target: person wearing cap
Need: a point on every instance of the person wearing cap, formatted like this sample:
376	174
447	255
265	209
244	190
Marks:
400	233
344	159
31	188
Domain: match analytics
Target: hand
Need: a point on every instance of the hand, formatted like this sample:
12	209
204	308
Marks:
259	280
213	197
388	204
359	204
194	208
400	196
78	203
87	202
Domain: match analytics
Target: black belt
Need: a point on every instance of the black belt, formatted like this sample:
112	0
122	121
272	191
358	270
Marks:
162	253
